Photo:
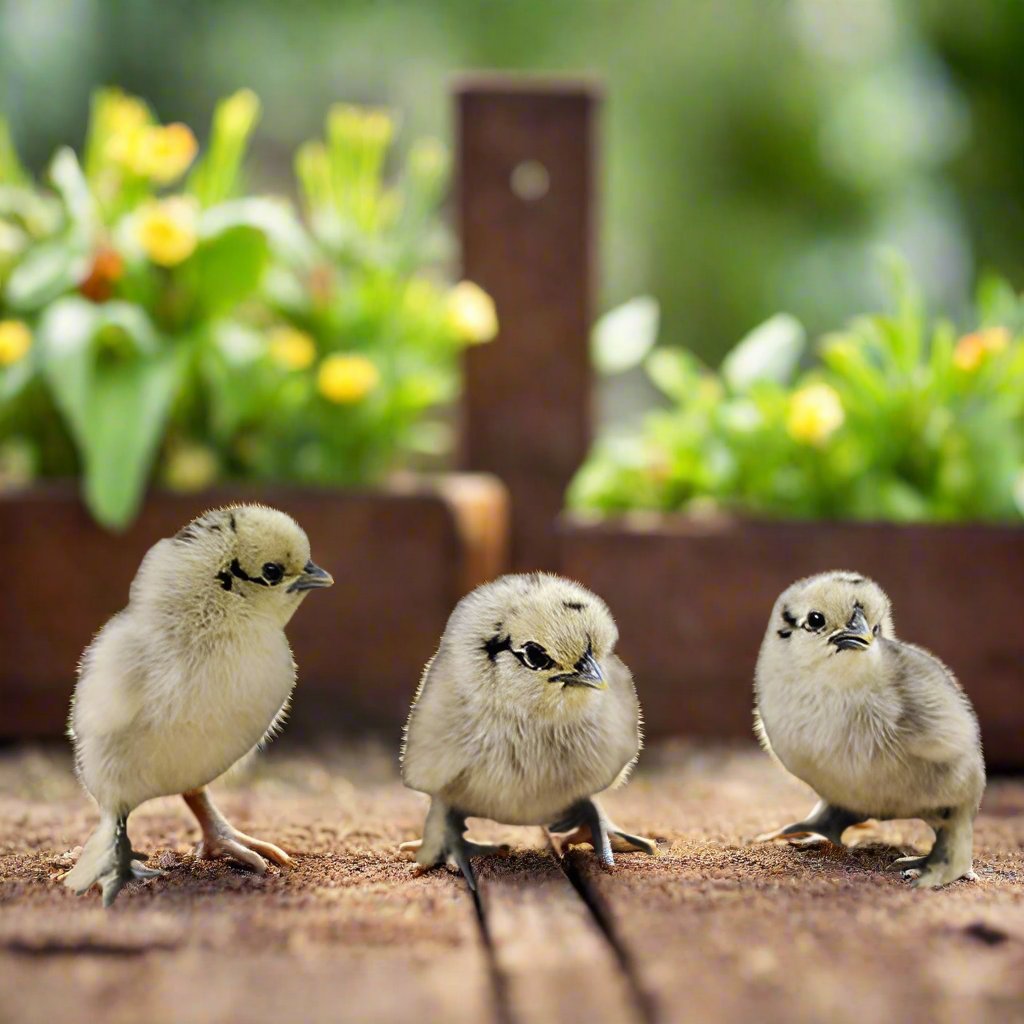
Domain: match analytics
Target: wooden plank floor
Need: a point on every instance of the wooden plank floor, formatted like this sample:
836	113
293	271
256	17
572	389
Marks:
714	929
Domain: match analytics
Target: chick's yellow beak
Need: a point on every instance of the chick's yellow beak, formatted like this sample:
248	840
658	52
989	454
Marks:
311	578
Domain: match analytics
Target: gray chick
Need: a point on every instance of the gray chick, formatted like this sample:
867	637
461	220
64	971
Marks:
522	715
877	727
192	675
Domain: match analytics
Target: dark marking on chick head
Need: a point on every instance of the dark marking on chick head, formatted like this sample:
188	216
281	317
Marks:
495	645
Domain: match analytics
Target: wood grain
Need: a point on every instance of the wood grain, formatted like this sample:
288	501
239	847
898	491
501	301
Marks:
716	929
526	407
554	961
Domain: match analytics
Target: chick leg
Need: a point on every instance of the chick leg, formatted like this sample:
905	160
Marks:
950	857
221	840
826	820
108	860
587	823
444	842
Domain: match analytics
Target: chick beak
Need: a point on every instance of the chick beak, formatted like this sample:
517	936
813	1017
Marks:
857	636
312	578
587	673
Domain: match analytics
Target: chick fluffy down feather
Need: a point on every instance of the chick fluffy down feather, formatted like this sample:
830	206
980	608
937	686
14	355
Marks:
887	732
516	748
189	677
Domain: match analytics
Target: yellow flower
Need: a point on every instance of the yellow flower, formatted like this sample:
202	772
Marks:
972	349
344	379
471	313
815	414
125	114
190	467
166	230
15	341
291	348
164	152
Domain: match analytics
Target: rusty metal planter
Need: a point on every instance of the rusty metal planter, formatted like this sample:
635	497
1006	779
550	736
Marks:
692	600
401	557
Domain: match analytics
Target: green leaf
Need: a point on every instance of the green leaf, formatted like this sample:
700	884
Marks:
215	176
130	408
769	352
48	271
115	399
273	217
11	171
998	304
229	267
622	337
674	371
73	189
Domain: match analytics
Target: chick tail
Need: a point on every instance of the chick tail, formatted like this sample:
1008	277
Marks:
98	857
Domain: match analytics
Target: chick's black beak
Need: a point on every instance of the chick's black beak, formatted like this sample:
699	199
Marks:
311	578
857	636
586	672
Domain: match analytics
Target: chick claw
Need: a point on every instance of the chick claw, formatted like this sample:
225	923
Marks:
221	840
119	876
586	823
242	848
445	842
826	822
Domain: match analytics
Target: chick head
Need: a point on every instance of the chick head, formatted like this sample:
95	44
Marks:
254	554
541	641
834	615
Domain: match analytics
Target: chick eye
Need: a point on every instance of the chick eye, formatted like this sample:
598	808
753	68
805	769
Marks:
534	656
273	572
815	620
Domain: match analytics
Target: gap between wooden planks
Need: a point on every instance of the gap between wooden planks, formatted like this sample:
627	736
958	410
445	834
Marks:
713	930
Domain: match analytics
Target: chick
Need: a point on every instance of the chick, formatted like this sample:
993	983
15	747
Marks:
878	728
521	716
187	679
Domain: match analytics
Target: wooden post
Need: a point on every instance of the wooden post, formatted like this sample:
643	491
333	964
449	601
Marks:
526	175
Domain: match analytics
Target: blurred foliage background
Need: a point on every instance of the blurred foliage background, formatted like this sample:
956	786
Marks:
756	152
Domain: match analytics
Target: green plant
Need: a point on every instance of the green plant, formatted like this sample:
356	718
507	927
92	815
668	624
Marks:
155	322
896	418
363	330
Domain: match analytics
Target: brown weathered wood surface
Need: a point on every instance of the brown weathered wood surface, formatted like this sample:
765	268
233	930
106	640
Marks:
526	183
715	929
416	546
692	600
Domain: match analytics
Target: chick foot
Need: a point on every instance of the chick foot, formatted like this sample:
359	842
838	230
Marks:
825	821
221	840
444	842
948	860
585	822
109	861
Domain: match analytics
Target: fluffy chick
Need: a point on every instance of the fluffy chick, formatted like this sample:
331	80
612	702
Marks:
186	680
878	728
522	715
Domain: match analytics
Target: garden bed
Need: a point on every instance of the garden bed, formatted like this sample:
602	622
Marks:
692	599
416	546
